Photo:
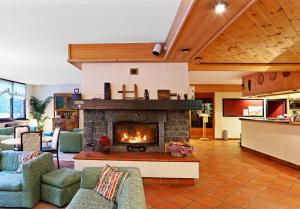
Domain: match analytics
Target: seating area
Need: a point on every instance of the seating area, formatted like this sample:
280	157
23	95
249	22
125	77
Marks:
22	189
40	181
150	104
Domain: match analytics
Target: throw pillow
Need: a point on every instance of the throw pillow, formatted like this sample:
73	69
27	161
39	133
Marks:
110	182
26	157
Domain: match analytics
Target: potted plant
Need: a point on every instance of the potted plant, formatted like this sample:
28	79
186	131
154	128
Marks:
38	108
105	144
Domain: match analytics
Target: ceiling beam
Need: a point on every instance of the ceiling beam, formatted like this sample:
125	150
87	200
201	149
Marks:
183	12
127	52
203	26
250	67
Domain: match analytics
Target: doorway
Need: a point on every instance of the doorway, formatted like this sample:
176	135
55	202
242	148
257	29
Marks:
196	122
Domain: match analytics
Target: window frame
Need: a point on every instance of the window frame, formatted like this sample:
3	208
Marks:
12	102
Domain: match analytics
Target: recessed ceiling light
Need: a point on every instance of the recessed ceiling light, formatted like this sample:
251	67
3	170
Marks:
186	51
220	7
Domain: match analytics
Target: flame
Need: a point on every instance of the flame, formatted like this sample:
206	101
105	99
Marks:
138	138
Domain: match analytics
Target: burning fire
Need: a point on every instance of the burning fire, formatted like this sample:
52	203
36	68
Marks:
138	138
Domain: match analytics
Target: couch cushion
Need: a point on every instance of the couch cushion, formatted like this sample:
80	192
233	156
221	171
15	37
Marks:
7	131
110	182
90	199
25	157
9	160
10	181
62	178
2	137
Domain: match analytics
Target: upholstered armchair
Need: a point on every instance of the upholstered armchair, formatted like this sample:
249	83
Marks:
22	189
71	141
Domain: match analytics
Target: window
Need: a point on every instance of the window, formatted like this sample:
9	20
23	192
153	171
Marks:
19	98
12	100
5	99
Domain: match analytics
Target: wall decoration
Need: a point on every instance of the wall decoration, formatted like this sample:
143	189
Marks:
260	78
124	92
272	76
249	85
286	74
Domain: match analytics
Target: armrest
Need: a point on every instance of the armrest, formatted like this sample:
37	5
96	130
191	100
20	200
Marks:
32	176
132	195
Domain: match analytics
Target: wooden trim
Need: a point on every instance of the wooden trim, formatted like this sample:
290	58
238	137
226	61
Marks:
250	67
128	52
137	104
184	10
271	121
216	87
274	159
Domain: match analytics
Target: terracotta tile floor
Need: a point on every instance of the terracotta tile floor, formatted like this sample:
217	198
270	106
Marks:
229	179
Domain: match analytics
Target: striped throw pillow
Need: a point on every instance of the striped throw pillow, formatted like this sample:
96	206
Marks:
26	157
110	182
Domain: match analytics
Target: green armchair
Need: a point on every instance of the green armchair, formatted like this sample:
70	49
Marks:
131	197
22	189
71	141
6	133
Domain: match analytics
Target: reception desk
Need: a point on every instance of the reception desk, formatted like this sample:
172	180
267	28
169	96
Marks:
278	140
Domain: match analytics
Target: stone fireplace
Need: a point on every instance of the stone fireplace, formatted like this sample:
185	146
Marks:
147	129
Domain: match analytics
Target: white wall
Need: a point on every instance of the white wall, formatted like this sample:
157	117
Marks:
152	76
43	91
232	124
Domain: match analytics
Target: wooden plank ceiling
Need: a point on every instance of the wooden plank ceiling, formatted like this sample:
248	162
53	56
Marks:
252	35
268	32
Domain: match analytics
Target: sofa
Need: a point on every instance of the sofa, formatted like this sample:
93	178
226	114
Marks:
131	196
6	133
22	189
71	141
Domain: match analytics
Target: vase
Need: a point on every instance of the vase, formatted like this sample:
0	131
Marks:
107	91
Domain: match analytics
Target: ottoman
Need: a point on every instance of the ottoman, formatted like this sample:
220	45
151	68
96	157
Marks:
59	186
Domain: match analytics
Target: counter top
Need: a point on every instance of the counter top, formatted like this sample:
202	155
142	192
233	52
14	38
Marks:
272	120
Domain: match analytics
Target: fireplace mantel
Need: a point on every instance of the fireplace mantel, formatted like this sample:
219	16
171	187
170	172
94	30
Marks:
137	104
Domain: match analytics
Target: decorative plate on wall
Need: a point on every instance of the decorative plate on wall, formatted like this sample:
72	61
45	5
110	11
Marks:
260	78
272	76
249	85
286	74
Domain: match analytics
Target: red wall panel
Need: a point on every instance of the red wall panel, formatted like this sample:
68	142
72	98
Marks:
276	108
235	107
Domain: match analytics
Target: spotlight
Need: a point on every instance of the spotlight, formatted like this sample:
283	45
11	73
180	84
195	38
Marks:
157	49
220	7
